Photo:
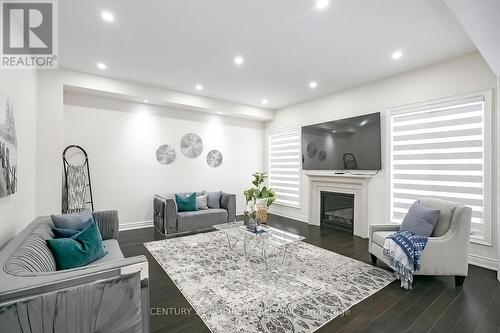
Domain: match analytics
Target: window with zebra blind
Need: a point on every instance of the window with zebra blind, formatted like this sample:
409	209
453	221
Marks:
443	150
285	165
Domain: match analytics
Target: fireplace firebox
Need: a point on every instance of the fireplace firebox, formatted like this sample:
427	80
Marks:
337	210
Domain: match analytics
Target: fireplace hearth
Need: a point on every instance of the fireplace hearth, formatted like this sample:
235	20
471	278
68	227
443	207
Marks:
337	210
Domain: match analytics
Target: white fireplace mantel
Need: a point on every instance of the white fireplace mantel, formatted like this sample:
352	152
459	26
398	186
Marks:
330	181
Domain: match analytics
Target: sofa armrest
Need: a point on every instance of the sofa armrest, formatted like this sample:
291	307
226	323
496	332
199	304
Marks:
165	217
170	216
16	286
383	227
228	202
108	223
74	286
380	227
448	254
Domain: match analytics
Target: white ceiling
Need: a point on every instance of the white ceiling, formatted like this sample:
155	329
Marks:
481	20
177	44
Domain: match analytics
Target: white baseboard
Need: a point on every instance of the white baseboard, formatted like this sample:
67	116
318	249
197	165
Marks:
483	262
290	215
136	225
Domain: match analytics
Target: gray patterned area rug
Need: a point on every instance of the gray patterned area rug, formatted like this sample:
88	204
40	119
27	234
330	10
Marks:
233	294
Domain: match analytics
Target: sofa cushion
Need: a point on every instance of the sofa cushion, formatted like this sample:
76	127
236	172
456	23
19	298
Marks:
33	255
79	250
187	203
446	213
188	221
114	252
183	194
76	221
64	233
202	202
214	199
379	237
68	233
420	220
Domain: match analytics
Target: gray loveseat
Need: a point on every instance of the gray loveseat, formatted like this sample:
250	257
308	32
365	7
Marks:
110	294
168	220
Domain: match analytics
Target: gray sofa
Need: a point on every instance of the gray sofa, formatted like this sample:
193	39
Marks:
447	250
168	220
110	294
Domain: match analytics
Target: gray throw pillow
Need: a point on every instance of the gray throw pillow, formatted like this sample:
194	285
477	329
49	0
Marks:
202	201
214	199
76	221
420	220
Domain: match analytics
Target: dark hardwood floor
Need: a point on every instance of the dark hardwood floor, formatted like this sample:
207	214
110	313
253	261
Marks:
434	304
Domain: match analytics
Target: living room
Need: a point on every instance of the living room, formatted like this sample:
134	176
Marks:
251	167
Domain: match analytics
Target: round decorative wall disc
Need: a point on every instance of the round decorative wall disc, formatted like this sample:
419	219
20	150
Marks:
191	145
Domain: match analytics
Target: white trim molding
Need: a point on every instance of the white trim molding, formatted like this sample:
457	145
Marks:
497	160
346	183
135	225
483	262
281	210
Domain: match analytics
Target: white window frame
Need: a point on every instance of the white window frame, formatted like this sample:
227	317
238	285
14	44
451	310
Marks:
488	155
299	160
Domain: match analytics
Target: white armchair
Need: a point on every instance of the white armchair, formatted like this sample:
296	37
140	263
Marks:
447	249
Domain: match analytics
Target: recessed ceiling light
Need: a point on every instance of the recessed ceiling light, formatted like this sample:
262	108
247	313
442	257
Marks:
219	112
199	87
107	16
397	55
264	101
313	84
364	122
334	131
322	4
238	60
102	65
146	101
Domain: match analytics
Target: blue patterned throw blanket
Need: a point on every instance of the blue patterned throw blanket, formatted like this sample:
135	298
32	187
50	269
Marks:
403	251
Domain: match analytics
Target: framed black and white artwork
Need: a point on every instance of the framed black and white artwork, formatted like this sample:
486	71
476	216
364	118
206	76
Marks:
8	147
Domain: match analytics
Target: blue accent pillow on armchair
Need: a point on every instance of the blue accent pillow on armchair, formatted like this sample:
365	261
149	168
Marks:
79	250
186	204
420	220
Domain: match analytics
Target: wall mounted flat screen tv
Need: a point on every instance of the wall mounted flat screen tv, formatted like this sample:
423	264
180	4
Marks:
345	144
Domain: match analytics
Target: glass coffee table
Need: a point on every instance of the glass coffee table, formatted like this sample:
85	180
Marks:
264	237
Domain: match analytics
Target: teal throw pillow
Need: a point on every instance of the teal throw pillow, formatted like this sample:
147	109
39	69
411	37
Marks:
79	250
186	204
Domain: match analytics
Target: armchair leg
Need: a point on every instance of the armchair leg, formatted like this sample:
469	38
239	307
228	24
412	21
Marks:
459	280
374	259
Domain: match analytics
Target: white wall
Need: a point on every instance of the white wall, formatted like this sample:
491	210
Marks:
459	75
52	84
18	210
121	138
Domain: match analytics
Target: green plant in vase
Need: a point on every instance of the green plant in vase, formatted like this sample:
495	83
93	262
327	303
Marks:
259	198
